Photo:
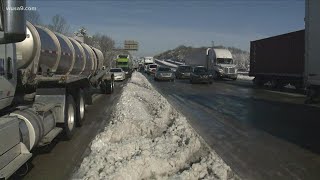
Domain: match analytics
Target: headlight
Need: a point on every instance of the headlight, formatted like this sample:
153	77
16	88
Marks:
210	75
220	70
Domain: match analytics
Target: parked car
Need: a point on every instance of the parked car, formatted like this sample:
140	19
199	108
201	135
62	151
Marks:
183	72
119	74
200	74
151	68
164	73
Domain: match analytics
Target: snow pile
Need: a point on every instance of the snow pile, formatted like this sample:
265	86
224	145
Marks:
245	77
148	139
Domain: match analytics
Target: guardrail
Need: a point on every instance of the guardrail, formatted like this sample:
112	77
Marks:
164	63
174	62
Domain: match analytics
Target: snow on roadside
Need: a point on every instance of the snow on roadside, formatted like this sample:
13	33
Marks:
148	139
245	77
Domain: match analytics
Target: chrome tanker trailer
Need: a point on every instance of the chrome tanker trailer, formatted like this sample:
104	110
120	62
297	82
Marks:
55	72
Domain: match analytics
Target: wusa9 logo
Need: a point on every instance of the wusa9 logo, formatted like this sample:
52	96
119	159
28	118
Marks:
21	8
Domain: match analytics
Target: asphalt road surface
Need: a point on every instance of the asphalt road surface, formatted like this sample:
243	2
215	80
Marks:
261	134
59	159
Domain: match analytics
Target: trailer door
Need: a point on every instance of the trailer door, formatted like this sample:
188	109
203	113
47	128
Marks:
312	39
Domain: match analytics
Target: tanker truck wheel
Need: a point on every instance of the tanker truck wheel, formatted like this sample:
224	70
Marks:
109	86
69	117
80	109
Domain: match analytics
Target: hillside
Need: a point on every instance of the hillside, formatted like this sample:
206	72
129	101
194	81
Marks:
241	57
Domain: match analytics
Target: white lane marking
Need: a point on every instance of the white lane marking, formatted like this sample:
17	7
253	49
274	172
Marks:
179	98
286	93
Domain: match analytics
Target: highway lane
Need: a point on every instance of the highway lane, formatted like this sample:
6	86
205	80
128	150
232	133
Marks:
261	134
59	159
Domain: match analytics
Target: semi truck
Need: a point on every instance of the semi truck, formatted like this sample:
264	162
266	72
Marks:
124	62
291	58
218	61
278	60
147	61
312	50
45	82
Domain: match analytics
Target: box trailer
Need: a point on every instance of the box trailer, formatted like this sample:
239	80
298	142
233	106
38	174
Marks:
219	61
278	60
312	49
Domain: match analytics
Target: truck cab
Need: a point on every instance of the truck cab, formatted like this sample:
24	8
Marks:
146	62
223	64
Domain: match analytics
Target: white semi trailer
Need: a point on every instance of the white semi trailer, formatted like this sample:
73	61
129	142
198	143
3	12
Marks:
147	61
55	71
219	61
312	49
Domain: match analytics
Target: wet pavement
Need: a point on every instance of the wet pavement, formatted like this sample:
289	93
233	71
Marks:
260	133
59	159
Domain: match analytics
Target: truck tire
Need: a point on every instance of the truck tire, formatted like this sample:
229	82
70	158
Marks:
312	94
276	84
258	82
69	117
80	108
109	86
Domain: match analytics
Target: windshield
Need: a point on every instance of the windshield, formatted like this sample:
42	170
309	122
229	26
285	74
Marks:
123	56
164	69
153	66
185	68
224	61
115	70
122	63
200	70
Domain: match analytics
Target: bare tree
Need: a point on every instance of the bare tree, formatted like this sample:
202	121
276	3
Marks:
103	42
33	17
59	24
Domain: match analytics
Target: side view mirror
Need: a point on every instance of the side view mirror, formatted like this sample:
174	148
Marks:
12	21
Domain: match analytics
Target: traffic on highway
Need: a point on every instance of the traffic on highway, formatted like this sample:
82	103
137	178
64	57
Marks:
89	103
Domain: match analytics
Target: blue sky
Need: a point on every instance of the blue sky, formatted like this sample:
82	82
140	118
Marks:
160	25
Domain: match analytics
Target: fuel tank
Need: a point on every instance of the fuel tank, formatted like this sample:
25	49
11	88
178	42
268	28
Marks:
46	51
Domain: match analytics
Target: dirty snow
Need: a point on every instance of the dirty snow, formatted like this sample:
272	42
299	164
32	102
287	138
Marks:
148	139
245	77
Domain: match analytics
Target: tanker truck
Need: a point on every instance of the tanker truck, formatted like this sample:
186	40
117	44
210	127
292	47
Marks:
54	73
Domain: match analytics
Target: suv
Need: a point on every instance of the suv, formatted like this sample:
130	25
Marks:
151	68
183	71
200	74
